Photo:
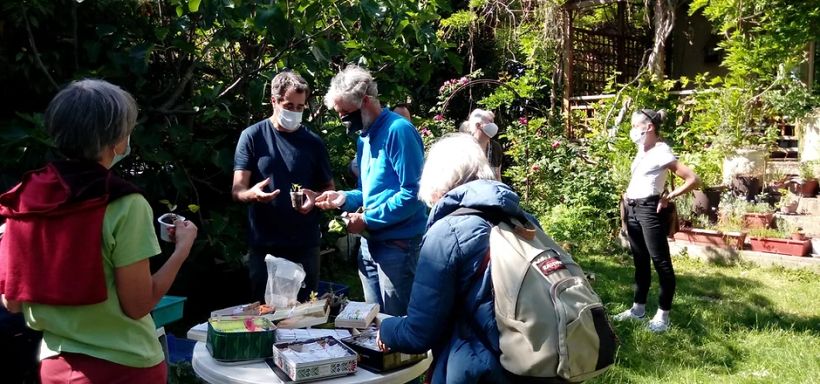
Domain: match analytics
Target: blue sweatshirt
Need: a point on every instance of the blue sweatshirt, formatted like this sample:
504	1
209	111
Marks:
390	154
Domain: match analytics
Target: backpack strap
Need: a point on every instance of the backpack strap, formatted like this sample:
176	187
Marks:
495	217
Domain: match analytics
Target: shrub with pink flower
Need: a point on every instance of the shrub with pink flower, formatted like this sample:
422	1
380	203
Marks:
523	120
556	144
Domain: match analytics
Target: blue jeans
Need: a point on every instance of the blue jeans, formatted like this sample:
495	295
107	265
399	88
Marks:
387	269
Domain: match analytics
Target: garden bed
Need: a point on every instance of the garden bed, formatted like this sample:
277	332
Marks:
711	237
789	247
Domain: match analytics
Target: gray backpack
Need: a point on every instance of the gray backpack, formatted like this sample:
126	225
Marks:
551	323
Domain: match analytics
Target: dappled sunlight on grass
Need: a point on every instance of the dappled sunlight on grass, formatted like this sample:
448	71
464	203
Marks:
730	324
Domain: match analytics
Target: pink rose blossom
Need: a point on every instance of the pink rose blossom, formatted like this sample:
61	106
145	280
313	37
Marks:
438	117
523	120
556	144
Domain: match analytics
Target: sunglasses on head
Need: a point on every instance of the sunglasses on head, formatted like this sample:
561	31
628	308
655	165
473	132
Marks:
650	117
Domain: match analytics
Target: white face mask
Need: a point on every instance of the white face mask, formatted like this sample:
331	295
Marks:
637	136
289	120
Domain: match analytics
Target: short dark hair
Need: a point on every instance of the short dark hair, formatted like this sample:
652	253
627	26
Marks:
286	80
89	115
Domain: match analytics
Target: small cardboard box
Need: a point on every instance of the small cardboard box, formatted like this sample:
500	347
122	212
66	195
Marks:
238	338
312	359
372	358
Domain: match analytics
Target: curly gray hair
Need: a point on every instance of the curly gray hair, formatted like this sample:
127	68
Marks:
351	85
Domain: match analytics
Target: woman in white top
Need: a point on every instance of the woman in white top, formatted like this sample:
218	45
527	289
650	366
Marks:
647	217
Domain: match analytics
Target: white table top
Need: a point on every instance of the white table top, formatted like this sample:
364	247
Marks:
259	372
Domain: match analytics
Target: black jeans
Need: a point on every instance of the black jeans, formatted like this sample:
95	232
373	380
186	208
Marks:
308	257
647	232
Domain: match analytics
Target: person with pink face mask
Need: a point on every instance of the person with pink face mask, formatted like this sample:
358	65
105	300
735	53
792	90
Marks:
647	215
273	156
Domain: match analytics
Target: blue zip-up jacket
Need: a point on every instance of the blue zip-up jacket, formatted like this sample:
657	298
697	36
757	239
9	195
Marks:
390	154
450	300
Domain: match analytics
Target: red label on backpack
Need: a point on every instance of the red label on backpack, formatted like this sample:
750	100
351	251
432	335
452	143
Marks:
550	265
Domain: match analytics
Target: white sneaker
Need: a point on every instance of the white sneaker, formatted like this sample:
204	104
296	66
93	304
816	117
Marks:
658	326
628	315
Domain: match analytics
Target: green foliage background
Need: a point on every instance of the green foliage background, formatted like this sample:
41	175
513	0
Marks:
199	71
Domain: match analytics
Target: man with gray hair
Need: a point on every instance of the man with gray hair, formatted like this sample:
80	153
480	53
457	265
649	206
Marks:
390	155
276	154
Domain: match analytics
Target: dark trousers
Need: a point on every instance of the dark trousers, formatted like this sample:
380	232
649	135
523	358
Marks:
308	257
647	232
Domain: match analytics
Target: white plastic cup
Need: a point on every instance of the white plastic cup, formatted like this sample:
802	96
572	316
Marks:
165	228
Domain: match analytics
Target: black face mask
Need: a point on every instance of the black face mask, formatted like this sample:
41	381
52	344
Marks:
353	121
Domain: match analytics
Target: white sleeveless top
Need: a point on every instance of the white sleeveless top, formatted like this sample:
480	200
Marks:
649	171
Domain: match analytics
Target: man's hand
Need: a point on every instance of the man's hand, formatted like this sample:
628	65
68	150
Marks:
310	201
355	223
256	194
662	203
330	200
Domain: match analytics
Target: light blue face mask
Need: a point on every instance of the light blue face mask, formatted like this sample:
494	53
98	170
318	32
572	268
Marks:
118	157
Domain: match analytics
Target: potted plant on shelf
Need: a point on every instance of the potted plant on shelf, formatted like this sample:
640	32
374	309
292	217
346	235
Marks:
788	202
758	214
808	178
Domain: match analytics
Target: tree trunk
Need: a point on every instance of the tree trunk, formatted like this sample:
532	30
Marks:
663	21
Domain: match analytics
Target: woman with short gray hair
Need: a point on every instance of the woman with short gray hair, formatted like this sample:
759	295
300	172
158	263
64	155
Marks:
99	329
451	303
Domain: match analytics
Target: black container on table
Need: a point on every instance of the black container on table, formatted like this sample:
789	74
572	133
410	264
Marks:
376	360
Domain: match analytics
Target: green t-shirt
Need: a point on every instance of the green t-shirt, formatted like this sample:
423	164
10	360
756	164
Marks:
102	330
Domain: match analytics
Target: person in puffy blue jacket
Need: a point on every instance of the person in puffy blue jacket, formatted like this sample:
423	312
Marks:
451	302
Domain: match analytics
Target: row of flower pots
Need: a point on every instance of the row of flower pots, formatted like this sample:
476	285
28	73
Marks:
798	245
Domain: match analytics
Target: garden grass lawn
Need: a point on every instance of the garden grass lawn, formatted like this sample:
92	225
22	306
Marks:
729	324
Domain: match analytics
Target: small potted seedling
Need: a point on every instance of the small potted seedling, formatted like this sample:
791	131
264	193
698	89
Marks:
166	221
297	197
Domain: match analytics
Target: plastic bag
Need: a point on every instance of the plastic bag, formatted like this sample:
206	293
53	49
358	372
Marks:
284	281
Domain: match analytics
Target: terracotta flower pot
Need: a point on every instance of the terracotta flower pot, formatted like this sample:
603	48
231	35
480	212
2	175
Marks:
809	188
757	220
781	246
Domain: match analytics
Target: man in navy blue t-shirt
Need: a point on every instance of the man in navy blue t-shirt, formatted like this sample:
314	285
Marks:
274	156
